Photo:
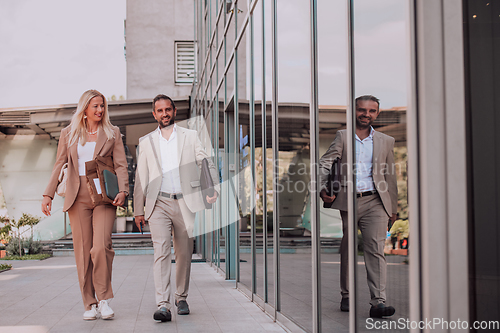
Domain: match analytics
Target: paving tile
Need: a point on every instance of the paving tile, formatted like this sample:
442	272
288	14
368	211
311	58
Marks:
273	327
25	329
44	296
242	325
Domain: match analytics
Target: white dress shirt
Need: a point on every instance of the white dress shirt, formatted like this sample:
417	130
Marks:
85	154
171	180
364	158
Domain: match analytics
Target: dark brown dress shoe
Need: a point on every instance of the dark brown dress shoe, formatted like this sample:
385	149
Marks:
162	314
381	310
344	304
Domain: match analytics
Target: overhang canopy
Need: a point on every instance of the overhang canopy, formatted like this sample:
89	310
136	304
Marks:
50	120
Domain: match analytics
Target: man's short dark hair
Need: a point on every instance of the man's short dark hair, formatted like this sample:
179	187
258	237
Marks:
165	97
368	98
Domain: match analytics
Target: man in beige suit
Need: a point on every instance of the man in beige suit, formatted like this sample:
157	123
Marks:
377	196
167	195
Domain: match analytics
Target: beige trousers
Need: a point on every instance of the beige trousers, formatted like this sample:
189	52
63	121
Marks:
168	218
372	222
91	229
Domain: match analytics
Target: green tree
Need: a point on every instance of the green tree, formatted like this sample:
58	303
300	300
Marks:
29	220
24	220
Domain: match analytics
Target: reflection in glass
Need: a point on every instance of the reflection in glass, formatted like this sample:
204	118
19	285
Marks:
294	161
259	203
332	63
382	271
223	200
295	236
482	52
263	153
245	191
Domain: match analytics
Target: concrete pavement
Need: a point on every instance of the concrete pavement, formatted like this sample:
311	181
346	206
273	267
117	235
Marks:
44	296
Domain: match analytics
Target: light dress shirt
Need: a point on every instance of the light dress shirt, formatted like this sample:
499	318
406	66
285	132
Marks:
171	180
85	154
364	158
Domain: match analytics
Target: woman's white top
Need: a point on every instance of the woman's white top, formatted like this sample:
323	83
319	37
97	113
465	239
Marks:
85	154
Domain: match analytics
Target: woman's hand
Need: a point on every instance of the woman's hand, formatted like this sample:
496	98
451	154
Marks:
119	199
46	205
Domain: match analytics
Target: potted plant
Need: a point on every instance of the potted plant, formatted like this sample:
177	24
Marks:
122	215
4	235
17	244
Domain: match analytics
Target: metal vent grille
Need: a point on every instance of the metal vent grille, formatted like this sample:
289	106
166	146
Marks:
15	118
184	62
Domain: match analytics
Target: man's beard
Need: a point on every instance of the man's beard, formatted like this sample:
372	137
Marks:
361	125
170	122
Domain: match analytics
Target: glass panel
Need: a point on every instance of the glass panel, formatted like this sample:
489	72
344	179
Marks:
259	154
381	63
208	224
230	35
482	53
259	203
245	182
267	79
213	9
217	215
220	76
221	62
223	200
332	65
294	162
229	84
242	12
269	214
263	156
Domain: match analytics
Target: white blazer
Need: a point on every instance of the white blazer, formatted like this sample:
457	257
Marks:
149	175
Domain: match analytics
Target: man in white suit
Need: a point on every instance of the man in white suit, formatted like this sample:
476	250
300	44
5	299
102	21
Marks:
167	195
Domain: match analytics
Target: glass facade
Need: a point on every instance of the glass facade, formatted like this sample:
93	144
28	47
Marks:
482	49
275	81
271	85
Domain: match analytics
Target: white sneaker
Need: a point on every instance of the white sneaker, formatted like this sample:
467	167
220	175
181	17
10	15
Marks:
90	314
105	310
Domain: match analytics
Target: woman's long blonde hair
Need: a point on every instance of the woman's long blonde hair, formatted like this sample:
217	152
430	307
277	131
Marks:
78	125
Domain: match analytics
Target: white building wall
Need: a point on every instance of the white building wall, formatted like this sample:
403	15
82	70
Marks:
25	167
152	27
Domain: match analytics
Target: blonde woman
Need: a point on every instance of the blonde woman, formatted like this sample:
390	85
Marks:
90	134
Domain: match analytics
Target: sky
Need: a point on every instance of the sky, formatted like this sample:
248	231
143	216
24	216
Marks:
54	50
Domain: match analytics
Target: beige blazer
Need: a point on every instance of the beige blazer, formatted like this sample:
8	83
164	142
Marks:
103	147
383	170
149	173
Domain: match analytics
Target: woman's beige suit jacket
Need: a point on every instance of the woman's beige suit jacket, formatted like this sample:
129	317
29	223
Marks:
103	147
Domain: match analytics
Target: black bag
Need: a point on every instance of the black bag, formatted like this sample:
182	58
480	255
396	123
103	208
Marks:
110	184
206	183
333	183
